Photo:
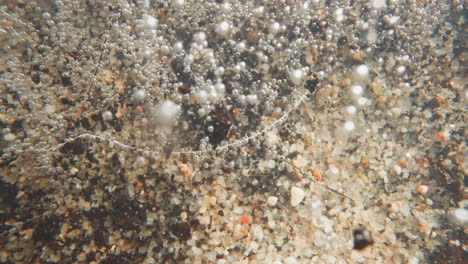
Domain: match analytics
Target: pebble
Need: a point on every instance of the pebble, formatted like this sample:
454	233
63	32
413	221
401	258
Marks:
271	201
397	169
422	189
299	161
459	216
107	115
9	137
297	195
290	260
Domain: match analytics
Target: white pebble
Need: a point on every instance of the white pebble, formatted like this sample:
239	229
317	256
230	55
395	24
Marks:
107	115
397	169
178	3
459	216
297	195
400	69
290	260
257	232
271	201
392	20
271	224
379	3
371	36
333	171
50	109
9	137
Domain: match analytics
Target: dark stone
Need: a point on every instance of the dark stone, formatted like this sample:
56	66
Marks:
66	81
8	200
181	230
221	123
36	78
312	84
317	28
67	101
16	126
74	147
362	238
186	78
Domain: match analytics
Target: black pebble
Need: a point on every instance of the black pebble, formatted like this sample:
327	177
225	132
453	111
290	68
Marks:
362	238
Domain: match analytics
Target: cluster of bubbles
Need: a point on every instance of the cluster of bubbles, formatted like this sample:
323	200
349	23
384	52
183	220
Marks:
207	74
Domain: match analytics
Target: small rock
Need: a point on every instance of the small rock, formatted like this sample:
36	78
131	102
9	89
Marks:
9	137
299	161
459	217
271	201
290	260
297	195
422	189
294	175
397	169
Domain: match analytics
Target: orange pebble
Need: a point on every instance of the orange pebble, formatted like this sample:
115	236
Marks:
235	111
316	174
423	229
440	136
215	183
403	164
422	189
139	183
365	161
245	219
184	170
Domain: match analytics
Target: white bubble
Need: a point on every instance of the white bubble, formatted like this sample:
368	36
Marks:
274	28
199	37
357	90
140	95
222	28
149	22
351	109
349	126
167	113
296	76
252	99
361	72
201	96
